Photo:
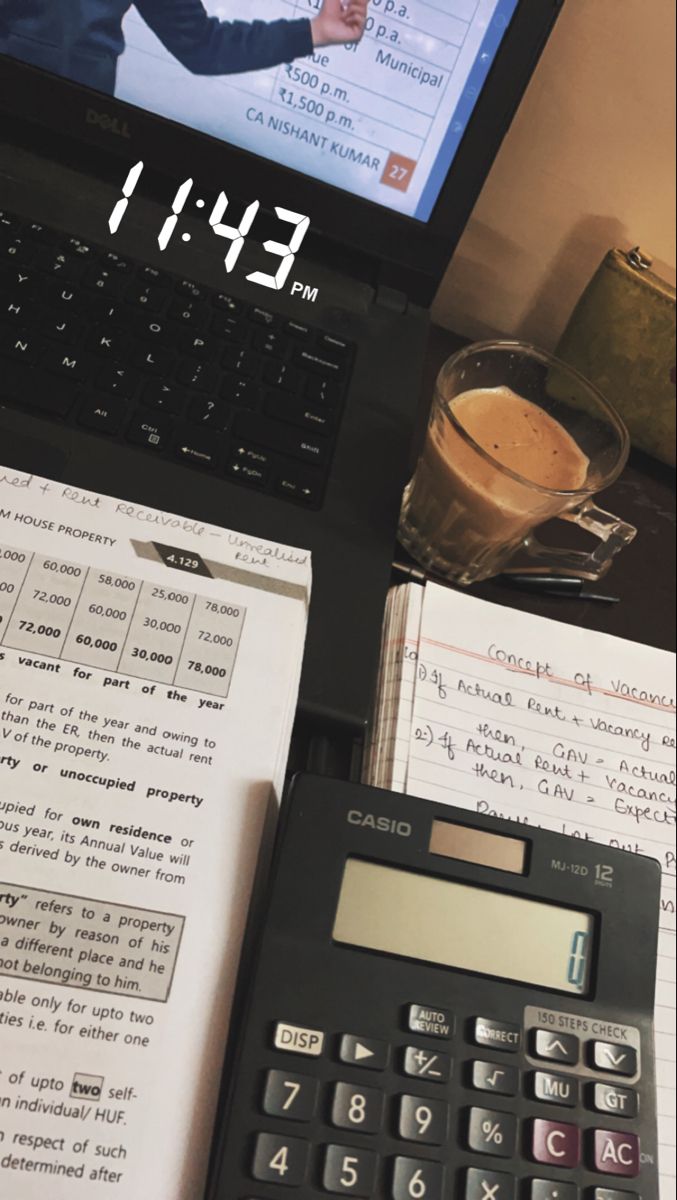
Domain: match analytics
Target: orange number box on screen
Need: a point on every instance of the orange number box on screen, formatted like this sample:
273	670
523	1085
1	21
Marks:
398	172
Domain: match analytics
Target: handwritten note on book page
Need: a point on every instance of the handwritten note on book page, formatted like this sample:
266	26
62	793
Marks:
149	667
533	720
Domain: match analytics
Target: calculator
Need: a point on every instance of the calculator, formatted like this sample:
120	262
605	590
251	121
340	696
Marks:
441	1005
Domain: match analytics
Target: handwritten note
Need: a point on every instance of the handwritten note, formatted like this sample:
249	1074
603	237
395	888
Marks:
559	727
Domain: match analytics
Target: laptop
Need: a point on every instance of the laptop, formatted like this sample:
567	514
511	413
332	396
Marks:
215	282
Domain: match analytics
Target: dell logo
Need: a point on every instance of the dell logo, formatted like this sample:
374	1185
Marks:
380	824
108	123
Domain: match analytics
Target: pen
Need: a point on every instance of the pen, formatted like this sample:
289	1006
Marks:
554	585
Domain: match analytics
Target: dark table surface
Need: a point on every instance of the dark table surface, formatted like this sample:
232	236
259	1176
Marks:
642	575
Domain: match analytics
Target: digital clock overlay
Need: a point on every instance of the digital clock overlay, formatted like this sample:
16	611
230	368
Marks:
236	235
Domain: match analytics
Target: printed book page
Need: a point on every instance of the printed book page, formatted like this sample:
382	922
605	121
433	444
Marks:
149	668
556	726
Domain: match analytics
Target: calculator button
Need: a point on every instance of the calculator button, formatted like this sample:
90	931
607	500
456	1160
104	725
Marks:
424	1121
616	1153
555	1047
556	1144
617	1060
492	1132
364	1052
549	1189
294	1039
291	1097
432	1022
488	1185
356	1108
499	1035
555	1089
412	1177
349	1172
280	1160
620	1102
426	1064
489	1077
602	1193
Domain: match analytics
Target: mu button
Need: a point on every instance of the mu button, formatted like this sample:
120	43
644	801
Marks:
556	1144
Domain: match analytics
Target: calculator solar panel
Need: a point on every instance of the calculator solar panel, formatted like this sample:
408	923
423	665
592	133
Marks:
424	1024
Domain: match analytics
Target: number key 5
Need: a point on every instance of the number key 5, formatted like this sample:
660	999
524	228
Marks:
349	1172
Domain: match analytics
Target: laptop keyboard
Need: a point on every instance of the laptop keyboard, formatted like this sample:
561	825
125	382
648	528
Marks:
132	353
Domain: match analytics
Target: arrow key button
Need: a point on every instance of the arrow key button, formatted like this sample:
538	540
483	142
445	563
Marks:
555	1047
368	1053
616	1060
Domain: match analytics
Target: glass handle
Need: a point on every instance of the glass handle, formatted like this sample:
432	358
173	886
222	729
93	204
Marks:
613	535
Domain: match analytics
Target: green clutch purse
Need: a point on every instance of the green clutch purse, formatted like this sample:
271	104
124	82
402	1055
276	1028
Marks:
621	336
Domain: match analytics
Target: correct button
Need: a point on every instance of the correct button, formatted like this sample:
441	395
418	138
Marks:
500	1035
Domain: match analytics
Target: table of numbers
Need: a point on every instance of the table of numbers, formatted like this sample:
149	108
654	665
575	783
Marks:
117	623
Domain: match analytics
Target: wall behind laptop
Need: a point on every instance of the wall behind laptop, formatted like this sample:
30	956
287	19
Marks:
588	164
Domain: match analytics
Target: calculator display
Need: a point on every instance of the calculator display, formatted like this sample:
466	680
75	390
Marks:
458	925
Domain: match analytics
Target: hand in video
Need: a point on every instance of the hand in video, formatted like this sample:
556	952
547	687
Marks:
339	21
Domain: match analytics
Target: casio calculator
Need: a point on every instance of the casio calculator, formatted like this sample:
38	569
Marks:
438	1005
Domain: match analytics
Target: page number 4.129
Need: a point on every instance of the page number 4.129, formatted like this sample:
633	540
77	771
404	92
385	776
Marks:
235	235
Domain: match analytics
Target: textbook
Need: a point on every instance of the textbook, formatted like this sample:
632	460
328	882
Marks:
532	720
149	669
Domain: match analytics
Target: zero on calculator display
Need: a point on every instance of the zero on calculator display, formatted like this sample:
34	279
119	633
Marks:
457	925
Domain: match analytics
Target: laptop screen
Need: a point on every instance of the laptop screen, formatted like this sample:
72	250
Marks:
382	119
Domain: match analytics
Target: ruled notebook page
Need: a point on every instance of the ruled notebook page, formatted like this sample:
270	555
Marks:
530	719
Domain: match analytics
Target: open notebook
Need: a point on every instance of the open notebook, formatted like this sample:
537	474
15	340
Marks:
521	717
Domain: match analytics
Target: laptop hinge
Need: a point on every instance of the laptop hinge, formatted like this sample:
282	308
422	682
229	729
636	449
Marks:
390	298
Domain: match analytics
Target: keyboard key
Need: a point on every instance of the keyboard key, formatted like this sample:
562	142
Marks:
156	360
119	381
497	1035
323	391
200	347
69	363
286	408
427	1064
491	1132
241	361
199	376
617	1060
45	393
103	415
555	1047
255	474
280	375
280	1160
320	364
299	331
368	1053
414	1177
269	343
297	483
488	1185
20	346
111	343
432	1022
263	316
154	276
190	290
198	447
555	1089
190	314
19	283
36	232
490	1077
114	262
357	1108
252	456
145	296
549	1189
555	1144
104	281
229	329
209	413
424	1121
61	328
62	293
334	346
59	265
290	1097
274	435
16	250
349	1172
163	396
620	1102
616	1153
227	303
78	248
150	431
242	392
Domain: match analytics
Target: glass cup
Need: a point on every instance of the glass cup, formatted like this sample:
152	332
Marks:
515	437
